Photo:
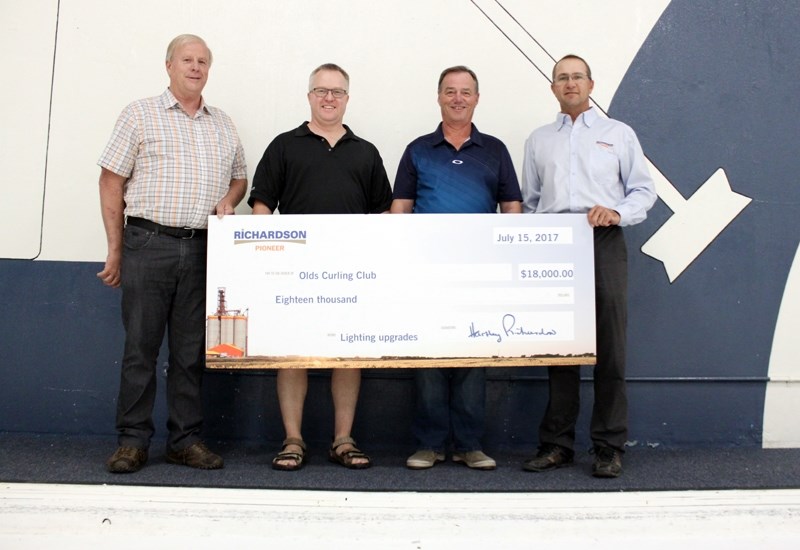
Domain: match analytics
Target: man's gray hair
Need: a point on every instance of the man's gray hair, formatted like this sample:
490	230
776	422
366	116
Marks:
183	39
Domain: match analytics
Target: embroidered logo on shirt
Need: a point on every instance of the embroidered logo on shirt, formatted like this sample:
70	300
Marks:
456	161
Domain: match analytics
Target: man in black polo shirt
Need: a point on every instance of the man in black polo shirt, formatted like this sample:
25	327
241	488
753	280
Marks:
321	167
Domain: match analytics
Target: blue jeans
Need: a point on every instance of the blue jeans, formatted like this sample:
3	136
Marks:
450	401
163	288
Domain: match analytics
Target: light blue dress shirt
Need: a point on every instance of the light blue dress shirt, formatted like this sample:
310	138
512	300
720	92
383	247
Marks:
572	166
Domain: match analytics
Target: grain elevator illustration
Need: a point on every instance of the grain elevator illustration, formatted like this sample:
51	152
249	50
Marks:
226	330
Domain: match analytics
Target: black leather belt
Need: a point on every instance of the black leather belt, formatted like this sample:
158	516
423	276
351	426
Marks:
157	228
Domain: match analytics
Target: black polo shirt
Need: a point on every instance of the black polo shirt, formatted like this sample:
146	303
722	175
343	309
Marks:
300	173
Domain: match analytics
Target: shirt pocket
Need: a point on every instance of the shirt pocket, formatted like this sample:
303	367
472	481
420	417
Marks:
222	143
162	152
604	164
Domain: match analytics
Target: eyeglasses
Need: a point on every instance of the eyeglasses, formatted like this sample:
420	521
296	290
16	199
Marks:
338	93
577	77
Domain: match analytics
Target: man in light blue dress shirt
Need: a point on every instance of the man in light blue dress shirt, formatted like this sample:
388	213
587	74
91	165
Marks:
584	162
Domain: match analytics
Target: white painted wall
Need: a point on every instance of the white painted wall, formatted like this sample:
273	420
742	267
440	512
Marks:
27	39
110	53
781	427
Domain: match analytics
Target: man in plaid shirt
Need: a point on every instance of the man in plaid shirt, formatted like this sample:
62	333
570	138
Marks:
172	161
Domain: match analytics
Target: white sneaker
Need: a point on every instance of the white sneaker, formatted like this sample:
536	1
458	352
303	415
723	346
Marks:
475	459
422	460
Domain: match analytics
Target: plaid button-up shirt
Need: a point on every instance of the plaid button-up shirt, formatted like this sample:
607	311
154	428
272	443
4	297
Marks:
178	167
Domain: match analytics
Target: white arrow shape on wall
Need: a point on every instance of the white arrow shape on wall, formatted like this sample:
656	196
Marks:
696	221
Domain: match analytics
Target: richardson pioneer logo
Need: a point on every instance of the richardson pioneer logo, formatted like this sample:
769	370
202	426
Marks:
269	240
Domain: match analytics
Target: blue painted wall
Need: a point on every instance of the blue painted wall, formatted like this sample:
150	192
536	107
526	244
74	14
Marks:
59	373
715	85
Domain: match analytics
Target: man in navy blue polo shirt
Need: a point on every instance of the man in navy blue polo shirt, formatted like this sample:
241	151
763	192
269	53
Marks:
454	170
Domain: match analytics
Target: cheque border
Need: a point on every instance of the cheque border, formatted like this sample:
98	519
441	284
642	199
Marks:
291	362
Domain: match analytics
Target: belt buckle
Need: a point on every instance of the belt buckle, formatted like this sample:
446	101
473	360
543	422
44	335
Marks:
191	235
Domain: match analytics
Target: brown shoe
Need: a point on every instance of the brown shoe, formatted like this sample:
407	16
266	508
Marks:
607	462
196	456
549	457
126	460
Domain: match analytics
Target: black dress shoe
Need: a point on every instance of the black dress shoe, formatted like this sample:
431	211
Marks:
549	457
126	460
196	456
607	462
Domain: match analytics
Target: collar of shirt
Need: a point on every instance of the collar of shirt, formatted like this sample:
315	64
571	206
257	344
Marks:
168	101
304	130
588	117
437	138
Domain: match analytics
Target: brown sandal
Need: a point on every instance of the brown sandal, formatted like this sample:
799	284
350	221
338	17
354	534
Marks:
290	455
346	458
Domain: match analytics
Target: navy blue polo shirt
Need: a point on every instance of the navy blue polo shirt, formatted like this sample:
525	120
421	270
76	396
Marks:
443	180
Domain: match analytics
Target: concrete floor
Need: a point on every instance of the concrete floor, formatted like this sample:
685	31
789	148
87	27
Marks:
85	516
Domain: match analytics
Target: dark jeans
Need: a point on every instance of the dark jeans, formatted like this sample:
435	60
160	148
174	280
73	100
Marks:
163	288
451	400
609	424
